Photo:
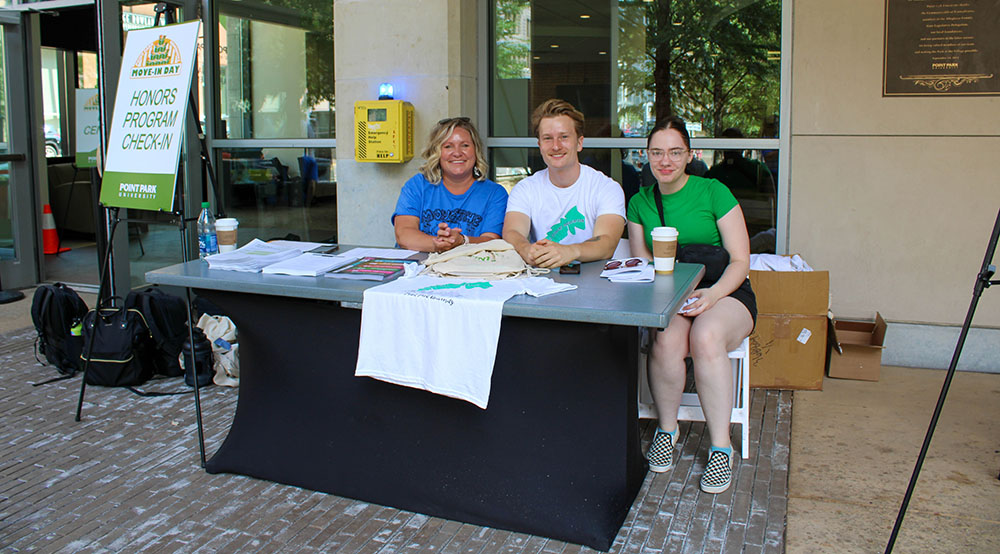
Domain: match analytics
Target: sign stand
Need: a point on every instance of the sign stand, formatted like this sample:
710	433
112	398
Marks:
126	182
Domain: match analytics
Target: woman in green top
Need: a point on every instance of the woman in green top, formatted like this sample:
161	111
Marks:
718	317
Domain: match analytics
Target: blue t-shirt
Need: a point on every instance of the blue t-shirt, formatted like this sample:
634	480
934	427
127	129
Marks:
480	210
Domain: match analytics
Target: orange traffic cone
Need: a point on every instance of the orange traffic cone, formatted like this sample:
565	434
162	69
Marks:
50	238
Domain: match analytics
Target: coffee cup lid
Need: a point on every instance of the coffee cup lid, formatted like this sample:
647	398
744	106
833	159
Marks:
227	222
664	232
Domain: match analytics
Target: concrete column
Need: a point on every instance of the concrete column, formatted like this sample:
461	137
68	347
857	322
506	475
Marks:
427	50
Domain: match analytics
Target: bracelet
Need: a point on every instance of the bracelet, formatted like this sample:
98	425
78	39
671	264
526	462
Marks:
466	237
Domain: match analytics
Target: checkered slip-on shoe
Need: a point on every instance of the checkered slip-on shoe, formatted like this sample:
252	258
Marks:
718	471
661	452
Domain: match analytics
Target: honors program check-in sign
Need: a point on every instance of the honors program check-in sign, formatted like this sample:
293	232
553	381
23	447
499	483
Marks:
148	121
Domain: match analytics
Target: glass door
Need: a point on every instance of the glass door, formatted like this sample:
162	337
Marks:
19	249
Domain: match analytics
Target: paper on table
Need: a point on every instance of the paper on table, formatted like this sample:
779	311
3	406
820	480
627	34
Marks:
642	273
299	245
309	265
394	253
251	257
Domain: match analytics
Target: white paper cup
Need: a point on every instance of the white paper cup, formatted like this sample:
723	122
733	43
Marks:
664	249
225	230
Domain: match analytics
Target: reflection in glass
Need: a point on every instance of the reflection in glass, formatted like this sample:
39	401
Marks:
546	49
276	69
716	63
279	191
6	227
273	192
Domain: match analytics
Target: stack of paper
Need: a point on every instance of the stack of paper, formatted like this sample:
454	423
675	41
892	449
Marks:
253	257
307	264
642	272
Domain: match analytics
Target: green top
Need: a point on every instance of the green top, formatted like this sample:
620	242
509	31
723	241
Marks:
693	210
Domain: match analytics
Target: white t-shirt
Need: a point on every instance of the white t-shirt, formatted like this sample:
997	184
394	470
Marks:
566	215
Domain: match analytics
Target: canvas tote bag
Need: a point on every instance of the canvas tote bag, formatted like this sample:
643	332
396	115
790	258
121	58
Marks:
495	259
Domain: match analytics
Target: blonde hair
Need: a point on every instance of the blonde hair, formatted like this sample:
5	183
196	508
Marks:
441	132
554	107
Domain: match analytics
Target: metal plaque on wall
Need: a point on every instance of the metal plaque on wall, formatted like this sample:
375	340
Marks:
941	48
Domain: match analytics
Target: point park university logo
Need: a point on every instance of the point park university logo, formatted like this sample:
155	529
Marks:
160	59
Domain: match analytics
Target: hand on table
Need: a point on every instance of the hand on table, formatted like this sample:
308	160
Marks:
546	253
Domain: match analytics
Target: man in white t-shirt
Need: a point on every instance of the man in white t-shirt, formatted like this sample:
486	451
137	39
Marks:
568	211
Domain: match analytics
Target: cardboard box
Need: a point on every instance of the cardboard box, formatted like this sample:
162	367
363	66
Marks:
856	349
788	352
792	292
788	346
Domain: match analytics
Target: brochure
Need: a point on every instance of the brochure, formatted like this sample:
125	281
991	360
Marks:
371	269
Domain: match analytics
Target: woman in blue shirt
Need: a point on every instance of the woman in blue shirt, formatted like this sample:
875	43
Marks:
450	202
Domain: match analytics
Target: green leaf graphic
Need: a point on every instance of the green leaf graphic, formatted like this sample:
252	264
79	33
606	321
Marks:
568	225
479	285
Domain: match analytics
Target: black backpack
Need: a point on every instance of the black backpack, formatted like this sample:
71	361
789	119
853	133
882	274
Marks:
116	342
55	311
166	316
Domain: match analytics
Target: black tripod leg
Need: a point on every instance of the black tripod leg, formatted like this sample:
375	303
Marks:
982	281
90	342
194	376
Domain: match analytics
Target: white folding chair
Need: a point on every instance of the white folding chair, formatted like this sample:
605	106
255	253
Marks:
690	409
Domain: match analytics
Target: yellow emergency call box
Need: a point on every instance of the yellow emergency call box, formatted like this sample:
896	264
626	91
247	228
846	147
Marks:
384	131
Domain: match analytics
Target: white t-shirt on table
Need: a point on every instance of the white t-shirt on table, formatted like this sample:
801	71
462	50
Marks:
566	215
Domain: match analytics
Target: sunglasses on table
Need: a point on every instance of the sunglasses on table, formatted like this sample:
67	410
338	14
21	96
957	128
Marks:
615	264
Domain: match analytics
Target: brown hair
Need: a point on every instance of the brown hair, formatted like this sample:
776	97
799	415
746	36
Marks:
441	132
554	107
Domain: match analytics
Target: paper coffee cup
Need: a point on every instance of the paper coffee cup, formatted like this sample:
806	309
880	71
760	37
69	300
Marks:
664	249
225	230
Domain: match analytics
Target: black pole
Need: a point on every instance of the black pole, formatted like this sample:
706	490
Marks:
170	17
7	296
88	348
982	281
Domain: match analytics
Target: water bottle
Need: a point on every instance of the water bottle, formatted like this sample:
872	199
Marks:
208	243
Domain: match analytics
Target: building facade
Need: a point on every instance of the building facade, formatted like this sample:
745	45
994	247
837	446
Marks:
895	196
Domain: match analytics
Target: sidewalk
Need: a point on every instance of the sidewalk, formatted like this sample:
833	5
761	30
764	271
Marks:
126	479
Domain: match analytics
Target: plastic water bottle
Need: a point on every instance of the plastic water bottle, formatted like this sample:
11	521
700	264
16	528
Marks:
208	243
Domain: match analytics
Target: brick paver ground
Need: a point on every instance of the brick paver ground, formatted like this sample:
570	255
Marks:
126	479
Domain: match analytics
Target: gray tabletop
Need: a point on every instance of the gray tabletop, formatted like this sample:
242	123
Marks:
595	300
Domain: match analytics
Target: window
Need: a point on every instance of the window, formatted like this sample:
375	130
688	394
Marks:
276	69
630	63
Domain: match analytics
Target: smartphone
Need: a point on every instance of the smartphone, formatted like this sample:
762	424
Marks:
326	249
572	268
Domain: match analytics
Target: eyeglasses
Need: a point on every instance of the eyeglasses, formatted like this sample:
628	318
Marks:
675	154
615	264
448	120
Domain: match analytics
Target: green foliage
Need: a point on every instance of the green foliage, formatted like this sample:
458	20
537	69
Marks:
512	51
709	61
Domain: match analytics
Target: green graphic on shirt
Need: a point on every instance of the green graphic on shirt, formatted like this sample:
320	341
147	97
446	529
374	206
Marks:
568	225
470	286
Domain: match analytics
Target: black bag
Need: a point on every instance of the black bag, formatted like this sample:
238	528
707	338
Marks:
55	310
714	258
166	316
120	353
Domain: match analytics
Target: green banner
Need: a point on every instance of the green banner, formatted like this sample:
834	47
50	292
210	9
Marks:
86	159
143	191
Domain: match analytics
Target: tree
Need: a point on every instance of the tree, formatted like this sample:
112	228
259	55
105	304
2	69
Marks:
709	61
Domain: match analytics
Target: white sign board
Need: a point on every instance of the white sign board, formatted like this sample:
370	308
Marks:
148	122
88	127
